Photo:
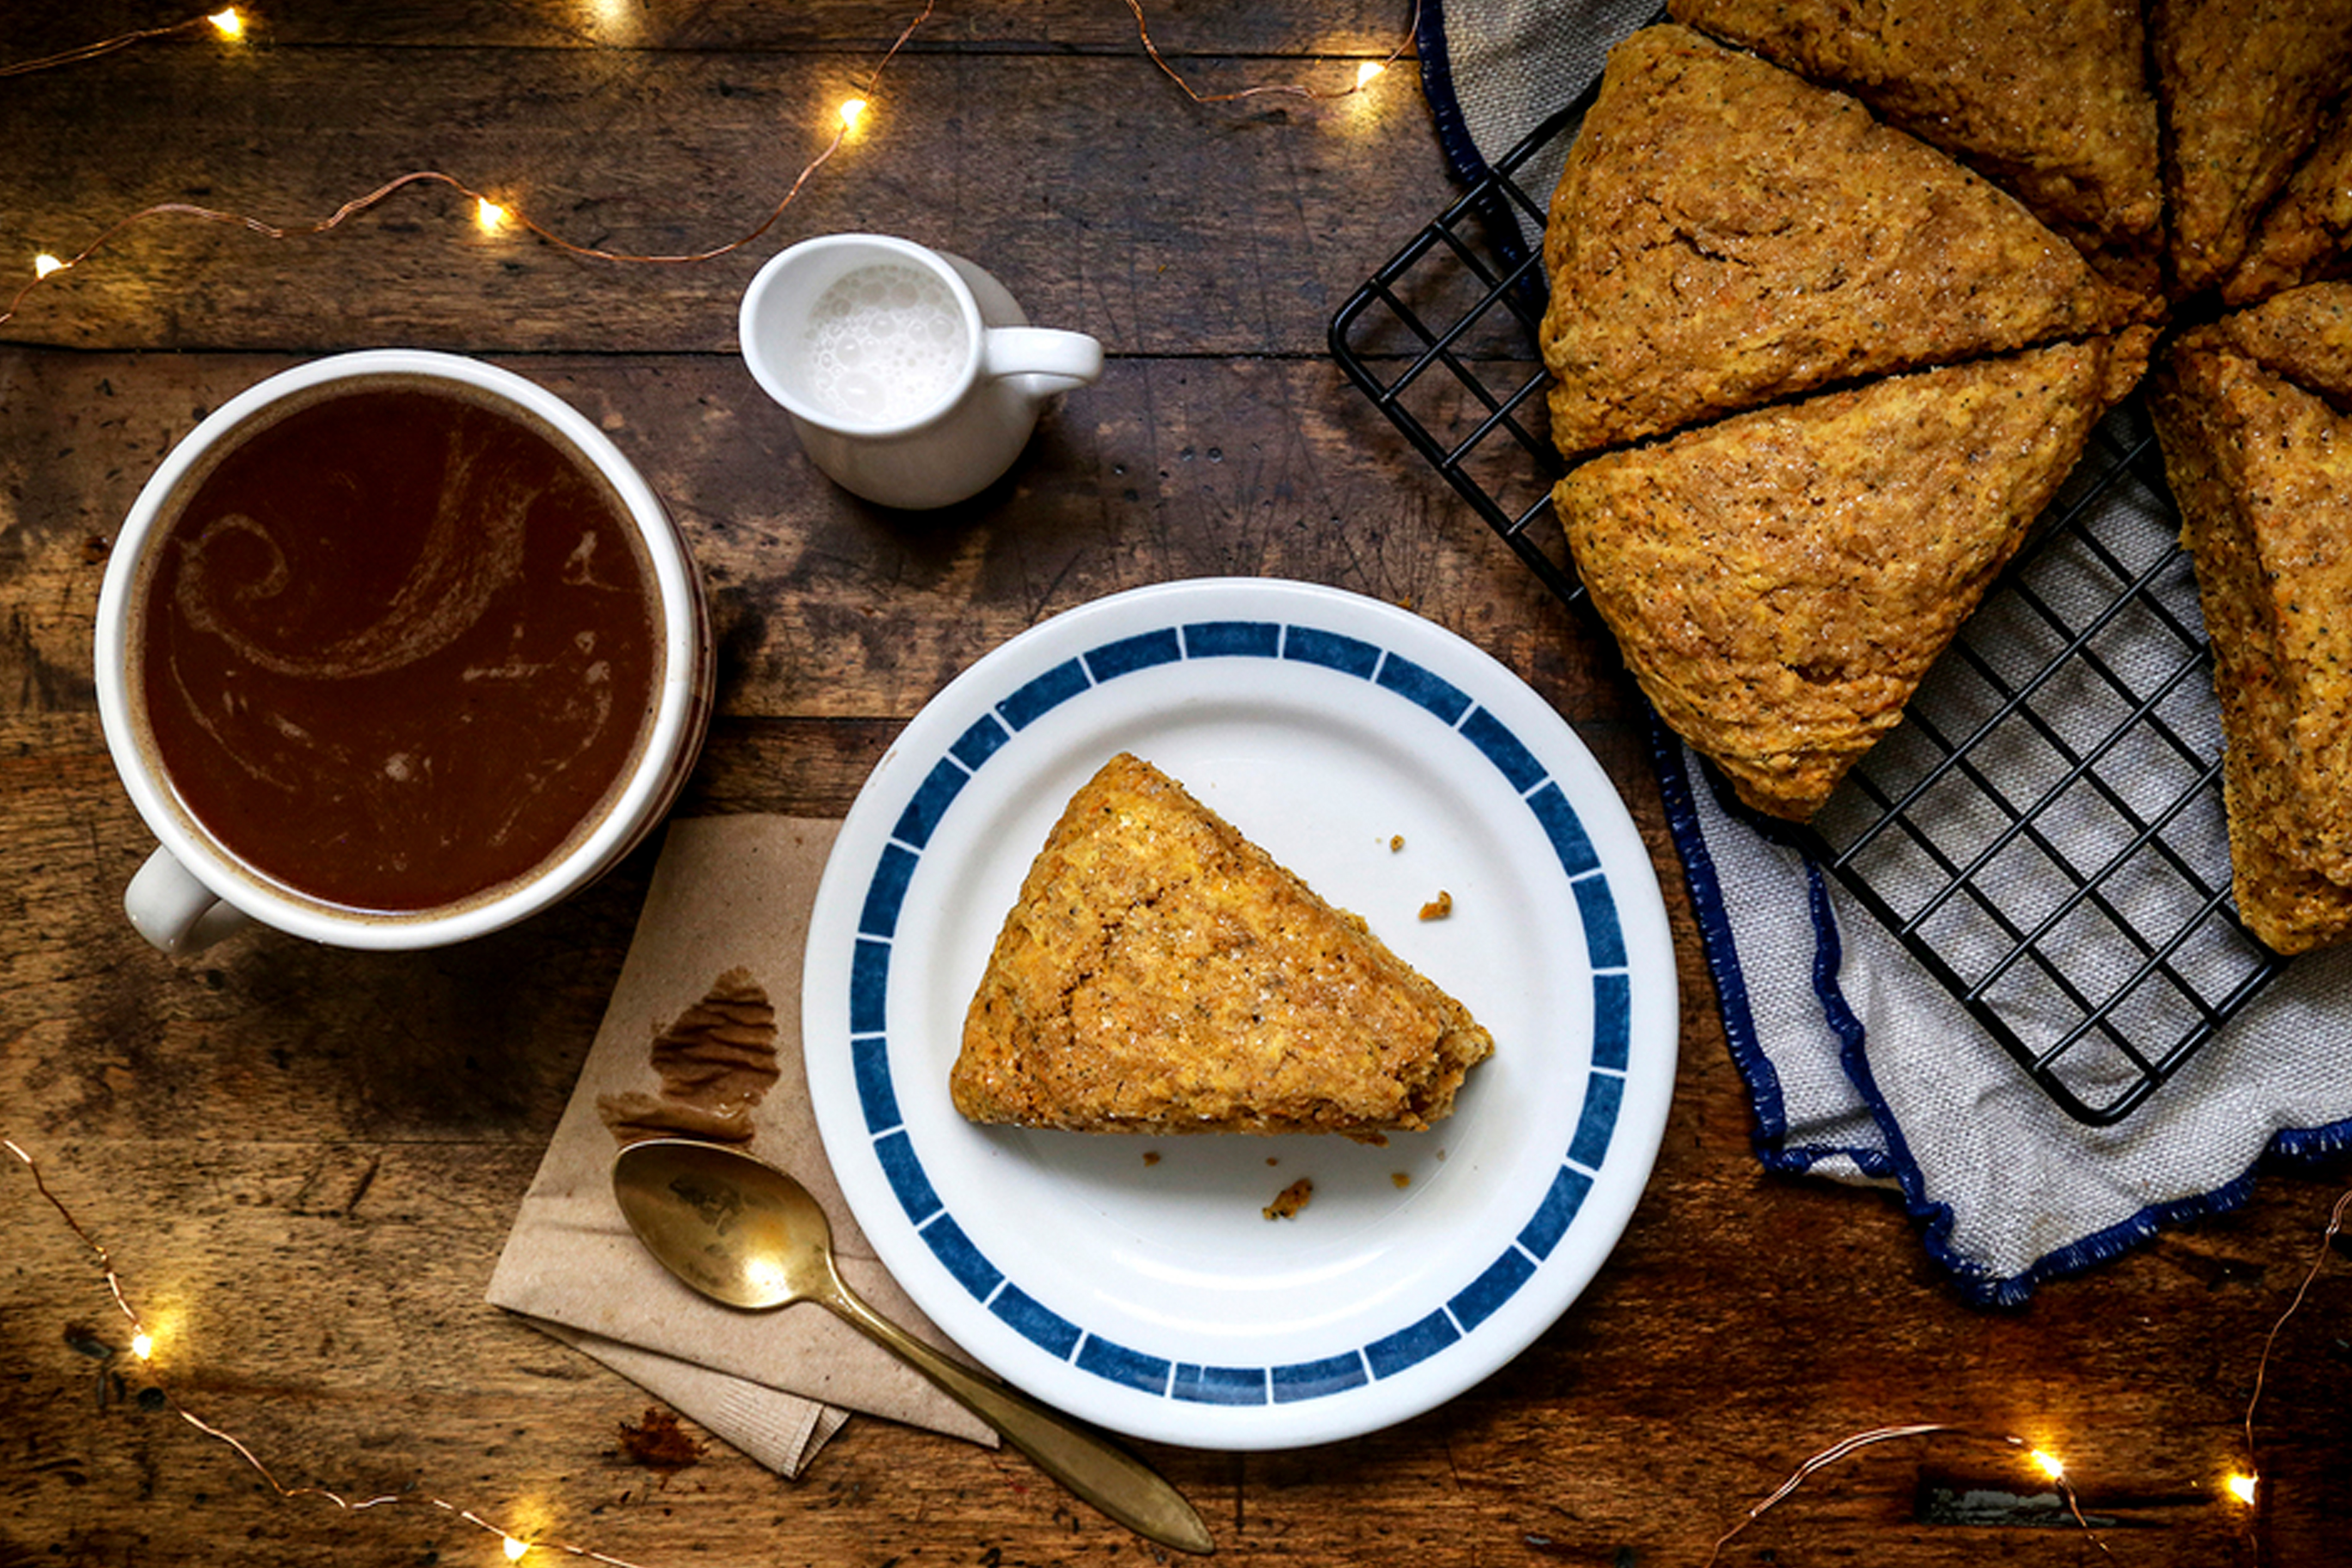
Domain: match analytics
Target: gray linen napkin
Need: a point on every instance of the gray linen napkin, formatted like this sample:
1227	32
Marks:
1860	1066
703	1037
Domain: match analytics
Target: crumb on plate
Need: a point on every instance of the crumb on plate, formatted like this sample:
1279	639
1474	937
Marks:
1291	1200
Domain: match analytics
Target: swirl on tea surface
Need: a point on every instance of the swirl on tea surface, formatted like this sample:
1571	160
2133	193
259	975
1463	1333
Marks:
398	649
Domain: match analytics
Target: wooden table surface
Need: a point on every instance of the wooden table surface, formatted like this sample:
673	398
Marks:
304	1162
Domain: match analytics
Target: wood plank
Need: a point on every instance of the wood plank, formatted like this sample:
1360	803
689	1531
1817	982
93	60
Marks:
270	1272
308	1160
824	606
1188	230
1341	28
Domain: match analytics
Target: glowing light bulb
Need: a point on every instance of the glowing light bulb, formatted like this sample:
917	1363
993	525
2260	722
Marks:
515	1547
2051	1466
488	217
228	24
1367	71
43	264
852	111
143	1344
2242	1488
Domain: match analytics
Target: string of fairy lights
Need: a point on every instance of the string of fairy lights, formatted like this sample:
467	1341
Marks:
2240	1486
144	1344
492	215
231	27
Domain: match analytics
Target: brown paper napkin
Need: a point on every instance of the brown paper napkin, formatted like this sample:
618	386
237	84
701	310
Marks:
686	1045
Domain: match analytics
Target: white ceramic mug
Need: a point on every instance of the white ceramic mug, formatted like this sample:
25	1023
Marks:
911	376
192	891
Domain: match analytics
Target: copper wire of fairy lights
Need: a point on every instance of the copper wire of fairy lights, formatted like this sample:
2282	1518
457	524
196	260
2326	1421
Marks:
2240	1487
516	1546
105	1259
2270	1341
1846	1447
1849	1445
1293	90
433	177
489	206
225	22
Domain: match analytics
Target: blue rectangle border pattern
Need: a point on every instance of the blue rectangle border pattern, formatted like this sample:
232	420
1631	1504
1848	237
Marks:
894	875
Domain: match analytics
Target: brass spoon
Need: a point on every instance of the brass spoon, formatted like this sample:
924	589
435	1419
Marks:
743	1232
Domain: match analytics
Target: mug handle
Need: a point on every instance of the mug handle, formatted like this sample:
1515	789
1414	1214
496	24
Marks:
172	909
1054	361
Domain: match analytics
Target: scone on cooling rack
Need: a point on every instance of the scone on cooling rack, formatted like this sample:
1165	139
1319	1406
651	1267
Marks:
2259	450
2051	101
1726	234
1780	581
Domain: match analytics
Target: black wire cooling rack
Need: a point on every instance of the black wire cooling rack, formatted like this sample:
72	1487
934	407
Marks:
2044	832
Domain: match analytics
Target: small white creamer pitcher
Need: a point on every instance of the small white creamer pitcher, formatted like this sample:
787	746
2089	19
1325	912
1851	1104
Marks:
911	376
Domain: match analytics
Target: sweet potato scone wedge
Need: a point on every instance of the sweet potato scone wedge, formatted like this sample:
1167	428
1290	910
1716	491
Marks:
2306	235
1780	581
1726	233
1161	974
2303	335
2261	465
2245	84
2047	97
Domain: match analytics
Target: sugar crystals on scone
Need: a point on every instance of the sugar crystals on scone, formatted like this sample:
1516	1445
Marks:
1726	234
2259	452
1780	581
1161	974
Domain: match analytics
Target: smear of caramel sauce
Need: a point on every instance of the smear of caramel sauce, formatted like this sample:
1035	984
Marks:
715	1061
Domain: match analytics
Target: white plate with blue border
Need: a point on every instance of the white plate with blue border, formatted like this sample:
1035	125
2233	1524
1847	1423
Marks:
1135	1281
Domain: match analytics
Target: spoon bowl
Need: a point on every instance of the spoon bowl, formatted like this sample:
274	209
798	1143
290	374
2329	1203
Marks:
737	1229
740	1231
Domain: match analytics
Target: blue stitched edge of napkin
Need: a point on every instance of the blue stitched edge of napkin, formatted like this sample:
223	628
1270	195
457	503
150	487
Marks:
1437	87
1895	1160
1770	1128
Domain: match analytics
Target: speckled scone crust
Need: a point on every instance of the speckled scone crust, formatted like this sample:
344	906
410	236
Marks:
1726	233
2306	236
2047	97
1780	581
1161	974
2245	84
2303	335
2261	465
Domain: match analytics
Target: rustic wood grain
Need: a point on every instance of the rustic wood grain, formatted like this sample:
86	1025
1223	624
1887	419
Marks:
305	1162
1341	30
828	608
1087	182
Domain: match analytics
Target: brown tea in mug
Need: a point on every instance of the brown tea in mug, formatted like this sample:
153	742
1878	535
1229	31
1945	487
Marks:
399	648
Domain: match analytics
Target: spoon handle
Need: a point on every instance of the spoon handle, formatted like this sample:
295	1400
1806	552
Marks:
1084	1460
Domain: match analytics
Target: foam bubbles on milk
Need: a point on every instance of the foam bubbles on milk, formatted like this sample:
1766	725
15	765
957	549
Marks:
884	343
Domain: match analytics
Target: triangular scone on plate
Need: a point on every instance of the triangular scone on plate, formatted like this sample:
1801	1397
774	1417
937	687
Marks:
2245	84
1780	581
2306	236
2261	461
1726	233
2048	99
1161	974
